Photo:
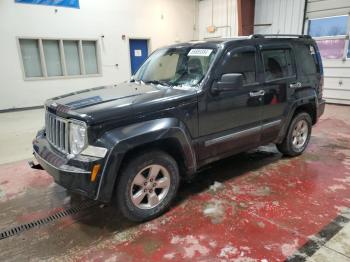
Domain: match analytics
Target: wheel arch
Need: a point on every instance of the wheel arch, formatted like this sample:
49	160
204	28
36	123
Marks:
167	134
308	105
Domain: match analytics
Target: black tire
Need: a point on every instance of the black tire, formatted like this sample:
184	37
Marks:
125	187
287	147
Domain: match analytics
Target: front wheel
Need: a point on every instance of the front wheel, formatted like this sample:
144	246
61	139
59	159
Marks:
147	185
298	135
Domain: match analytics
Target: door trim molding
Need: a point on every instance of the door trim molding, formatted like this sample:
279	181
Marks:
242	133
271	124
232	136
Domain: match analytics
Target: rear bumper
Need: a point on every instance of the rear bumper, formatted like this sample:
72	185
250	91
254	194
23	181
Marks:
73	174
321	108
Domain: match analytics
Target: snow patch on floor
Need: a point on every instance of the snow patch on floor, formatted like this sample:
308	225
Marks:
169	256
215	211
289	249
217	186
345	180
228	251
66	200
191	246
212	243
337	187
150	227
245	259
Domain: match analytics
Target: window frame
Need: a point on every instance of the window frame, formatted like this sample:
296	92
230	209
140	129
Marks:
65	74
335	37
278	47
242	49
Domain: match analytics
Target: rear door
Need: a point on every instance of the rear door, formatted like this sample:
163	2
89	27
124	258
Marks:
280	78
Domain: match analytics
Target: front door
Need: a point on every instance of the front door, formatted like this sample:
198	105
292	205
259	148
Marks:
230	121
279	75
138	53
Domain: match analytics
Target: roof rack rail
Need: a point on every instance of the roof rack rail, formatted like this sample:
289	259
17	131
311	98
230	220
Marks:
278	35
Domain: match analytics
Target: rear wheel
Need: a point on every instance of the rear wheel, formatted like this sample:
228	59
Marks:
298	135
147	185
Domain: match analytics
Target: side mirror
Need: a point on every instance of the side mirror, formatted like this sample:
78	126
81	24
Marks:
228	82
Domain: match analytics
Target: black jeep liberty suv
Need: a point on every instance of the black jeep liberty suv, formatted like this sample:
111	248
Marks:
188	105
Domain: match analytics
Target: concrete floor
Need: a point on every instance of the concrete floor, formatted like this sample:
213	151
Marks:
17	131
255	206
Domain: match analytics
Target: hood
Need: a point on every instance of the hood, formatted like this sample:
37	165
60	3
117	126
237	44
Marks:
119	101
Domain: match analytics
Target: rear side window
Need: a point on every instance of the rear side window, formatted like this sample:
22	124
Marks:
307	60
242	63
278	64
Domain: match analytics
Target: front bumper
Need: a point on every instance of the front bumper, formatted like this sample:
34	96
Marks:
73	174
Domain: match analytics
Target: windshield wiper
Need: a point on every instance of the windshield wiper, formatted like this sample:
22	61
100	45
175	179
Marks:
158	82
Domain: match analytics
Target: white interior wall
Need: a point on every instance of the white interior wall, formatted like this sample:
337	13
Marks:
279	16
163	21
223	16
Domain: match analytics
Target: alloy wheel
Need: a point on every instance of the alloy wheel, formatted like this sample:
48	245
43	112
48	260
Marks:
150	186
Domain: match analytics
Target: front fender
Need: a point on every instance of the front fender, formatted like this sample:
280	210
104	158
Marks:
120	140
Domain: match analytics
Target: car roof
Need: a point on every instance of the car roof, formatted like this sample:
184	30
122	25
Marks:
217	42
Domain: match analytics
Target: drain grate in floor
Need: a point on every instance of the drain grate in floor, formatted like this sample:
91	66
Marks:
40	222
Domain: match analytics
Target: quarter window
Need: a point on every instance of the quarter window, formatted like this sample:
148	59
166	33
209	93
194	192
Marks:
47	58
307	54
243	63
278	64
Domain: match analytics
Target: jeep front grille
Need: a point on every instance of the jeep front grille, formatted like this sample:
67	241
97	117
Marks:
57	131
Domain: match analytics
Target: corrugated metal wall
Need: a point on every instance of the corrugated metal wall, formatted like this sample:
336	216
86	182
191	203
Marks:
223	16
279	16
337	71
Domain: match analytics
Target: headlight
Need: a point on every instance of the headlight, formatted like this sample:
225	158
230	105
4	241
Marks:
77	137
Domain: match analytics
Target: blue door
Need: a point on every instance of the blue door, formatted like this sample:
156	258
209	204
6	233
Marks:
138	53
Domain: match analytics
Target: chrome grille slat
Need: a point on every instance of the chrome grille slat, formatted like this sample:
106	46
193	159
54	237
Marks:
57	131
61	135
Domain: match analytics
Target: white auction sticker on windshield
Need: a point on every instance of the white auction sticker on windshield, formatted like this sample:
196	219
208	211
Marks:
200	52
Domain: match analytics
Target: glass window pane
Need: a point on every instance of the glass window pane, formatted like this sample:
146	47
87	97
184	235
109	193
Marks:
306	54
165	68
90	57
278	64
31	57
71	54
52	57
330	26
331	49
242	63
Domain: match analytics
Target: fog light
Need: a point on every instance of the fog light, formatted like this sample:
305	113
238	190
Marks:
94	172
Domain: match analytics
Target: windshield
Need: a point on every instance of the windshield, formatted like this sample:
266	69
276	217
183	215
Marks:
176	66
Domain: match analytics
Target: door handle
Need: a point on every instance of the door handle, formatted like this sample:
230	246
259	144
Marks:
295	85
257	93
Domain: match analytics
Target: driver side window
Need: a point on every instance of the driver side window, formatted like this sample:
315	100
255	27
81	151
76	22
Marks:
241	62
